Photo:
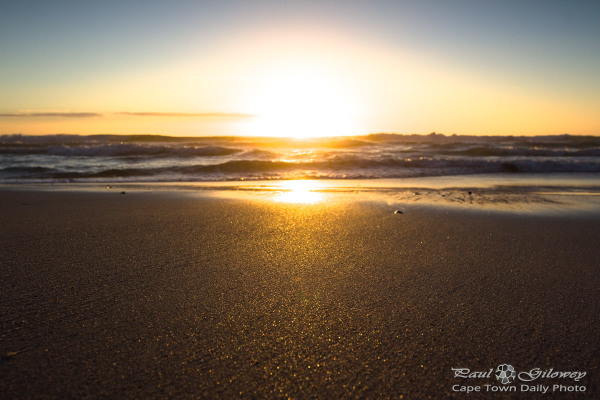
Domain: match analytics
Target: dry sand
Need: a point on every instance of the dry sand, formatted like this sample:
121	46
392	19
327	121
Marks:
162	295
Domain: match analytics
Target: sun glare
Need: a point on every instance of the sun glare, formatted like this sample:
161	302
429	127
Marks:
303	103
299	192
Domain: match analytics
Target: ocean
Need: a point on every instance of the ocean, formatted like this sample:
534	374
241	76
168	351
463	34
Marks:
150	158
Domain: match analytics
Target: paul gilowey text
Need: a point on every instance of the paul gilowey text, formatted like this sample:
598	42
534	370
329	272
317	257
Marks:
534	380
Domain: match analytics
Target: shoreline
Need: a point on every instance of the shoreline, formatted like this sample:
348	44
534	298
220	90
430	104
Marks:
525	193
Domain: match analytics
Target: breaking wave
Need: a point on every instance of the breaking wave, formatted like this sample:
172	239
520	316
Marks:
163	158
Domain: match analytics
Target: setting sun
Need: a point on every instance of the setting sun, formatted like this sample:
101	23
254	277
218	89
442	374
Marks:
303	102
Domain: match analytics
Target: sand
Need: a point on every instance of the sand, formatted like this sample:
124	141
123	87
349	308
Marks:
178	295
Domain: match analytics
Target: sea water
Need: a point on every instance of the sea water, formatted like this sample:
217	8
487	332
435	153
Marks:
144	158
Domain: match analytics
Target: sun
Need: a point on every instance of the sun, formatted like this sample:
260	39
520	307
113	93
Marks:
302	103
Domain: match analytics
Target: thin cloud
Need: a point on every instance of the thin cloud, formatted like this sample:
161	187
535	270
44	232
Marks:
54	114
132	114
195	115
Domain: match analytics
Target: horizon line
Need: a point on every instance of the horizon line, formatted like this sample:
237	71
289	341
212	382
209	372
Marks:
364	135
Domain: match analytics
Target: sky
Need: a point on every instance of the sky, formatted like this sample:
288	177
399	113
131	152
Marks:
300	68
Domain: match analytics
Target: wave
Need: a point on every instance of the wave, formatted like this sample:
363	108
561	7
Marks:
162	158
339	168
495	151
122	150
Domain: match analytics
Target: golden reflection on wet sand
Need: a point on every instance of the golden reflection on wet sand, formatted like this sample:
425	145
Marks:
300	192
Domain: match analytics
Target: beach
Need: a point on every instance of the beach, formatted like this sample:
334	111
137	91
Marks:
164	294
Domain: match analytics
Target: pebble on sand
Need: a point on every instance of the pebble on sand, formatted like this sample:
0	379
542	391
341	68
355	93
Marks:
398	212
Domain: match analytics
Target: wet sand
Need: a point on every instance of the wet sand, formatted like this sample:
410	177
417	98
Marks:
174	295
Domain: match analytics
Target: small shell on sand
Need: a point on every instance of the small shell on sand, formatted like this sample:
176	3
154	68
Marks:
398	212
